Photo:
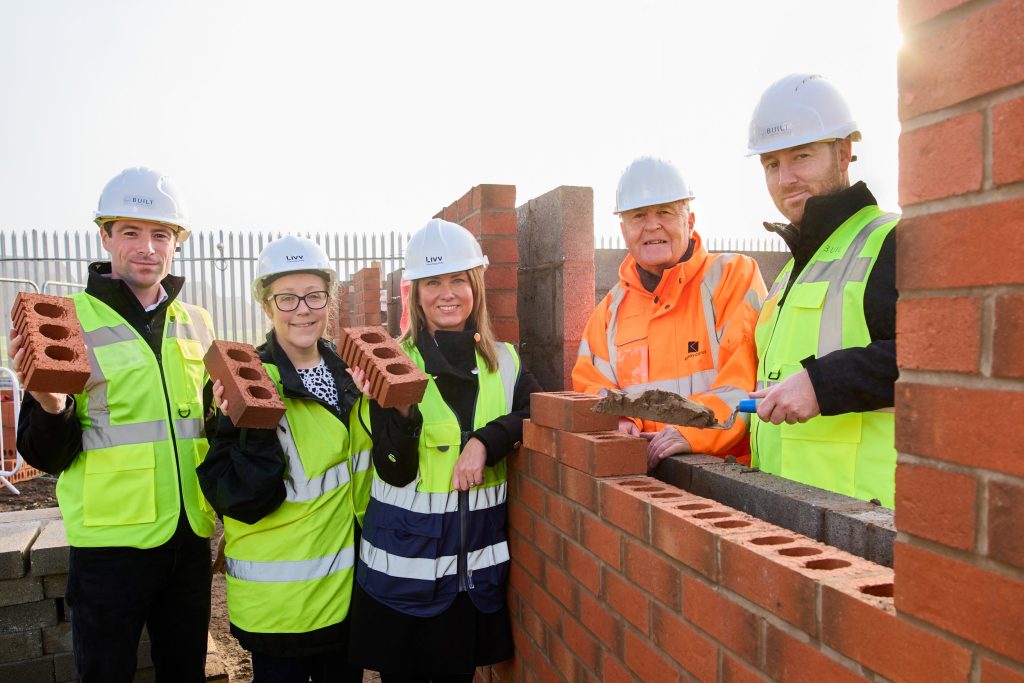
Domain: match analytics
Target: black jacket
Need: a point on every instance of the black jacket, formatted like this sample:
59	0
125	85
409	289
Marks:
449	358
856	379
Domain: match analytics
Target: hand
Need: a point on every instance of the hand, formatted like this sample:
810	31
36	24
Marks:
50	402
627	426
218	397
663	444
792	400
469	468
363	385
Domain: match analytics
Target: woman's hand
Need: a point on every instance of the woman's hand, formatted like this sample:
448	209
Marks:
363	384
469	468
218	397
50	402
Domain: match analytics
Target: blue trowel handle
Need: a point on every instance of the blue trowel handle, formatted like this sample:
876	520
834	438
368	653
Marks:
748	405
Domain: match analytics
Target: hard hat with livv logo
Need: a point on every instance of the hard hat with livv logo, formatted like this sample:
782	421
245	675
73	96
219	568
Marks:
441	247
796	110
291	254
145	194
649	181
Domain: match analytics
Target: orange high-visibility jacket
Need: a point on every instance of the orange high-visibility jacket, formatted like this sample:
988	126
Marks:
693	335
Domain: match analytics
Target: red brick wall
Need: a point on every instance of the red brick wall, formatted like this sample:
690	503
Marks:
959	557
489	212
366	305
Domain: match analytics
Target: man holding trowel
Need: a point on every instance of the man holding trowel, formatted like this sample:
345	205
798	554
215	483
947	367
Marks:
679	319
826	337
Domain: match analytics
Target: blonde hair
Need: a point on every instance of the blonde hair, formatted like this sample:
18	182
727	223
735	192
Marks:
486	345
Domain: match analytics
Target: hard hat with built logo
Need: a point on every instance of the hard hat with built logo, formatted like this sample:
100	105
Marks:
440	247
796	110
649	181
143	194
290	254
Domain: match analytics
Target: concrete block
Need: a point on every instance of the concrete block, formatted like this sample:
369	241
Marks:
57	639
252	398
64	667
28	516
33	615
55	357
18	591
15	647
15	542
50	551
868	531
55	585
38	670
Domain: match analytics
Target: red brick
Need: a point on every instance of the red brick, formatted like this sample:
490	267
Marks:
612	671
936	505
583	566
546	606
882	642
652	573
55	359
583	643
975	55
541	467
498	223
978	605
471	222
501	276
691	650
506	330
601	539
1005	520
530	494
600	621
561	586
502	303
570	411
253	401
538	438
394	379
722	618
1008	331
983	242
562	659
677	531
547	539
645	661
533	626
579	487
941	160
930	422
733	671
997	673
941	333
1008	142
788	659
525	554
625	509
500	249
633	605
520	519
562	514
464	206
913	12
496	196
603	454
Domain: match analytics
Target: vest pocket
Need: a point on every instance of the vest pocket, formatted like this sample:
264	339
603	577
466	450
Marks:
412	542
120	486
823	451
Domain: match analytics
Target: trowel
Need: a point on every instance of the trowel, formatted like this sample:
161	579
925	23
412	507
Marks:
667	407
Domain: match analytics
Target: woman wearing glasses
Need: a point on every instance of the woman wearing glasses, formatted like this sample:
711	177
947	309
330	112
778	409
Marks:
291	497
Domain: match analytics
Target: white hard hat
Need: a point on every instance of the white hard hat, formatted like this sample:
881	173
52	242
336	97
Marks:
649	181
796	110
143	194
291	254
440	247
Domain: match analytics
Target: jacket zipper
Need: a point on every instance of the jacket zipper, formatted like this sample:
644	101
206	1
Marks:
170	425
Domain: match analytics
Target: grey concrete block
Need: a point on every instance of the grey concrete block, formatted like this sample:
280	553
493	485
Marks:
50	552
55	585
15	647
30	671
28	616
16	540
869	533
40	514
557	226
57	639
17	591
64	667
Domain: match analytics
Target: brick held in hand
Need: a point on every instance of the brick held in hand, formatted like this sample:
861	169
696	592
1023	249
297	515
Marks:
570	411
253	402
394	379
55	358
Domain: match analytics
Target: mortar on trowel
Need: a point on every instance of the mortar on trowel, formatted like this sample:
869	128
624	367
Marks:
664	406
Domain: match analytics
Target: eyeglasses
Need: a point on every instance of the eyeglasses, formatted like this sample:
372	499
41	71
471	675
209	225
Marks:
286	303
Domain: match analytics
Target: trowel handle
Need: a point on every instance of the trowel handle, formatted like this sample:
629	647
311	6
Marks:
748	405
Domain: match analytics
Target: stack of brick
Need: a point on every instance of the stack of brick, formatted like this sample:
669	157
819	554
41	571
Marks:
394	379
959	556
341	315
8	430
489	212
618	576
393	283
366	297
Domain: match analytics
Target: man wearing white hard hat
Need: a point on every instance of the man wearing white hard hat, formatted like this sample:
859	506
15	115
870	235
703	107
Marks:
680	319
126	448
826	335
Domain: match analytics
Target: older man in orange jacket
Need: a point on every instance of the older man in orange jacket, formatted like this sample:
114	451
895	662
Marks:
679	319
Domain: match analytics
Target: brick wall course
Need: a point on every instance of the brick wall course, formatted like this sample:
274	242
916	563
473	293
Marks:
939	333
1007	333
1005	514
1008	142
949	518
947	159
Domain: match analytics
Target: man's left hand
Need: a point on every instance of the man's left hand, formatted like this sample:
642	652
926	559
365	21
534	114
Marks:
663	444
791	401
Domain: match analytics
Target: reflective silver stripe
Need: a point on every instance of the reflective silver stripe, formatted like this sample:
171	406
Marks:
753	299
98	408
298	487
852	267
697	383
361	461
708	284
615	297
508	372
600	364
428	569
408	498
123	435
105	336
584	349
290	570
191	428
781	281
196	327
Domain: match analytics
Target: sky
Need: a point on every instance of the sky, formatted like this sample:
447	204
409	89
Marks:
371	116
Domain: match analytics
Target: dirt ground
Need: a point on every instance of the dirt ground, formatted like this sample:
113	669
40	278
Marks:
40	493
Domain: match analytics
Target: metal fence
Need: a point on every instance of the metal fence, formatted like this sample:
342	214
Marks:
218	267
